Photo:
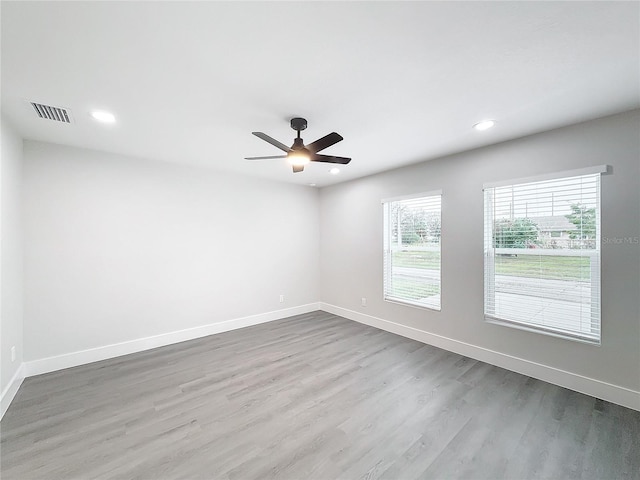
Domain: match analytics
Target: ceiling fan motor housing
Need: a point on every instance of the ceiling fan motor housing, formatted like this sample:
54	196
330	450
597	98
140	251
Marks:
298	144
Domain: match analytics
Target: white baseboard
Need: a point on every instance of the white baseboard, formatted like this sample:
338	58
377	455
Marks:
589	386
82	357
11	389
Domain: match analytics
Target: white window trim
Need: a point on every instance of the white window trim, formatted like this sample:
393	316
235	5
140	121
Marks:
432	193
602	169
599	169
401	301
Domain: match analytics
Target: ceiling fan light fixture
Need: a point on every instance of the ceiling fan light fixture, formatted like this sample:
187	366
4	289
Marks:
299	158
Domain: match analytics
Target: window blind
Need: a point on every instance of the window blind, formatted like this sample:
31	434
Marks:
412	250
542	256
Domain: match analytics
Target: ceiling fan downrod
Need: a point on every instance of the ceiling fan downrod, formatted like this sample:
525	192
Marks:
298	124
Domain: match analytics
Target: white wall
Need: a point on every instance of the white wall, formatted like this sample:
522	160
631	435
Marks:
10	256
119	248
351	246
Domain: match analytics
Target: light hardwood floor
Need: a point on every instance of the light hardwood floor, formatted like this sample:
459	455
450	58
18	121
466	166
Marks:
312	396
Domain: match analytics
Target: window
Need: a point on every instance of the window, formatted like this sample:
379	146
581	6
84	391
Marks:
412	250
542	254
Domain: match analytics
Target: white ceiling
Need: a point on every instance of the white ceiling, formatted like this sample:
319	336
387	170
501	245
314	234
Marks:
402	82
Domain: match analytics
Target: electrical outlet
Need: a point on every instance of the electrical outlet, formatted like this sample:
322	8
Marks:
13	354
364	302
281	298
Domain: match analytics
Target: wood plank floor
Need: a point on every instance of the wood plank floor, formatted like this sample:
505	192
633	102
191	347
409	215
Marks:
310	397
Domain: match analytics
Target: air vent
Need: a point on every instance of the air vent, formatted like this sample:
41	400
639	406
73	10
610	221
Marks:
52	113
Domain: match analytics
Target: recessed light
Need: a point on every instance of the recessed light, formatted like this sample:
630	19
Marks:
334	171
484	125
312	184
102	116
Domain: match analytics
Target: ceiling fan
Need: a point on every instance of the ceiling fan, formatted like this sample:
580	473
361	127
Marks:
300	154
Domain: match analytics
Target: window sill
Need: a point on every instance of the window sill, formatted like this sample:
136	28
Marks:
544	331
407	303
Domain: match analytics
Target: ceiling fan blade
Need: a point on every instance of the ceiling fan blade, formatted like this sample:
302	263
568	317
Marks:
330	159
272	141
297	168
324	142
265	158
